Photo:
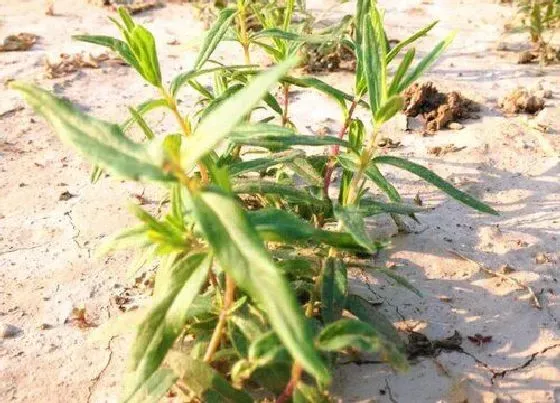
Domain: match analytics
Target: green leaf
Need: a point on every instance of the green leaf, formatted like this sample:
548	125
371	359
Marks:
370	207
221	122
287	192
143	45
277	33
205	382
142	109
116	45
101	143
142	123
155	387
352	221
426	63
280	225
334	289
315	83
400	280
214	36
435	180
241	253
367	313
347	333
165	320
373	67
261	164
389	109
413	38
306	171
308	394
401	71
276	137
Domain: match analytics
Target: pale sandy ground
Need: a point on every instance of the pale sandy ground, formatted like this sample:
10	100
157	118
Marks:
47	262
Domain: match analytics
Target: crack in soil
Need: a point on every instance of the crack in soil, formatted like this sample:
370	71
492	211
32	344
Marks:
95	380
76	233
502	373
389	391
395	307
5	252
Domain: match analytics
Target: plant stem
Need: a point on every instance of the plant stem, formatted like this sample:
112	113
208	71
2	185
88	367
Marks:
172	102
289	390
216	339
335	150
286	104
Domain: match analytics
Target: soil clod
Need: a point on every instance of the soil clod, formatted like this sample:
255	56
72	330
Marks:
521	100
20	42
439	109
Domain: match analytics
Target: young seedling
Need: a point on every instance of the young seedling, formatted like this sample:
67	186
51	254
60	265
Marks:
247	272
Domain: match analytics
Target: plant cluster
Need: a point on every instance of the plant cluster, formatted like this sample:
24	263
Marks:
251	294
541	18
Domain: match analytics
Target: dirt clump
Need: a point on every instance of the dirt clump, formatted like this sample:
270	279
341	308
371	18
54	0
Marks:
439	109
20	42
521	100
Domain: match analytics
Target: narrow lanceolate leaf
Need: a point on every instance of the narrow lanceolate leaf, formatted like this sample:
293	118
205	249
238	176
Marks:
347	333
99	142
401	71
350	162
371	207
214	128
426	63
283	226
142	109
180	80
389	109
366	312
411	39
311	82
435	180
372	65
143	45
353	222
402	281
155	387
205	382
292	36
148	132
114	44
306	171
276	137
355	334
334	289
242	254
287	192
165	320
214	36
261	164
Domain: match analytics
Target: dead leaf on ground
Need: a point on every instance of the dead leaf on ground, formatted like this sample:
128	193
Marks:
479	339
70	63
20	42
442	150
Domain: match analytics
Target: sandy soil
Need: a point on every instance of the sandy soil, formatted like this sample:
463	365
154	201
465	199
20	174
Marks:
47	245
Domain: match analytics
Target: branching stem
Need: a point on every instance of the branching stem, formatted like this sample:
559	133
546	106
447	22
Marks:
216	339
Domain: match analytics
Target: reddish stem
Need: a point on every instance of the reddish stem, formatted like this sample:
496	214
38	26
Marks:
289	390
335	150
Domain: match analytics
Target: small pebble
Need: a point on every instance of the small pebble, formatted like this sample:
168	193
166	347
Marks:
8	331
541	258
455	126
445	298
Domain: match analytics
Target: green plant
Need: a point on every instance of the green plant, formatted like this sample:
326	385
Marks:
252	290
540	17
